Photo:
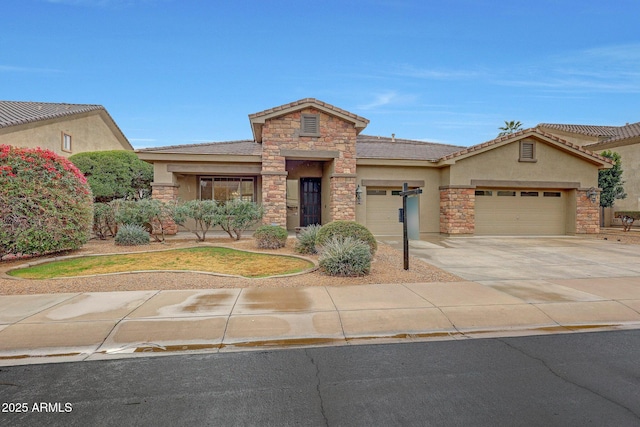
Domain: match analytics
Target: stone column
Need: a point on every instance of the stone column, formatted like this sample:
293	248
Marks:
343	197
587	212
457	210
167	193
274	191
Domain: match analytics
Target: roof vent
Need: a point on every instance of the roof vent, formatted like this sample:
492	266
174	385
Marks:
393	137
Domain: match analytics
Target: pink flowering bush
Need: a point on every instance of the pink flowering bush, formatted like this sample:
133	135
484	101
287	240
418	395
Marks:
45	202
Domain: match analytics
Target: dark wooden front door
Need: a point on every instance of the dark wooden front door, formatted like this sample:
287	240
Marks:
311	203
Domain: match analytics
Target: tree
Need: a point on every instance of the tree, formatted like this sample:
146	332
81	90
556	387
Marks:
510	127
115	174
45	202
235	216
610	181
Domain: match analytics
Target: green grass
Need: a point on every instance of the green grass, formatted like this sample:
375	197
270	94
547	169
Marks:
209	259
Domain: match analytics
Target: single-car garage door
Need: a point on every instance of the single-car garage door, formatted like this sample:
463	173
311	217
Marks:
382	211
520	212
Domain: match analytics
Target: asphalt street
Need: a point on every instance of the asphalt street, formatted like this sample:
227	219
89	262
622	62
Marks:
552	380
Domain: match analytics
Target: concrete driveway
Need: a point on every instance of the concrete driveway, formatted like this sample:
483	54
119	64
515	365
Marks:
530	258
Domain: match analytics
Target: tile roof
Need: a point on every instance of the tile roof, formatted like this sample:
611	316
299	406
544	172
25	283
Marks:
307	101
376	147
13	113
607	134
245	147
522	134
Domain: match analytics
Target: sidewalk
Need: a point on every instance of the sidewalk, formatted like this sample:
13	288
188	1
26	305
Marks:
98	326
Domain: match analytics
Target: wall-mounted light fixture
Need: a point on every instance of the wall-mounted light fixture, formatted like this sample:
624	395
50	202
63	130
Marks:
359	195
592	194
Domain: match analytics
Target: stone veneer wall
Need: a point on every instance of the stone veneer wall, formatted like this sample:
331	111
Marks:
457	210
282	133
587	213
167	193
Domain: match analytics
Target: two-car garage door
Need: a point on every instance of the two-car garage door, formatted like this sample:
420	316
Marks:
520	212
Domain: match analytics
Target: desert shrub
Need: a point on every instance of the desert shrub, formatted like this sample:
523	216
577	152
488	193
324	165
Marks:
147	213
346	229
132	235
345	256
45	202
306	243
104	220
203	212
117	174
235	216
271	237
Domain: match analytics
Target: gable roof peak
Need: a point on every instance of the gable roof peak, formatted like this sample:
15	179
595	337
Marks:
258	119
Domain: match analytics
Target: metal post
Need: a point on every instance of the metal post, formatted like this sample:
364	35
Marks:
405	233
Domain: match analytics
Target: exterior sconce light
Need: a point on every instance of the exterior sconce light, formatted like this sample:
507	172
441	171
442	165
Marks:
592	194
359	194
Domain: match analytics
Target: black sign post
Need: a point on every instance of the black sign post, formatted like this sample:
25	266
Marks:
405	234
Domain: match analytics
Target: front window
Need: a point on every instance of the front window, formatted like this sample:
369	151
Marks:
66	142
223	188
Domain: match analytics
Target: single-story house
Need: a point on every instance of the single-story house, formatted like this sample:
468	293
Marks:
625	140
65	129
309	163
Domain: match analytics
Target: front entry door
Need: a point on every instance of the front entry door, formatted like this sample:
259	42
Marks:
311	204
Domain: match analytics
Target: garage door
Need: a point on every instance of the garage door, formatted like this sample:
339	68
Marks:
382	211
520	212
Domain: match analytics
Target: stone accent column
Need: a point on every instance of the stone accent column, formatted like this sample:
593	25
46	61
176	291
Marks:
457	210
274	190
343	197
167	193
587	213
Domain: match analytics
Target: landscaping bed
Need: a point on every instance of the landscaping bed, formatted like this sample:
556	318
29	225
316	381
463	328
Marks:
387	267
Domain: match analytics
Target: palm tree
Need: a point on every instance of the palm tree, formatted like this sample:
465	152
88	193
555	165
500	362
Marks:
510	127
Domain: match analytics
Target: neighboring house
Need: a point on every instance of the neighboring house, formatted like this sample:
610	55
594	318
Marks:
309	163
624	140
65	129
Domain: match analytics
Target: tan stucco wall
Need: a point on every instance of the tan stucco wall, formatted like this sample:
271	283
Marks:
501	163
630	155
429	205
88	133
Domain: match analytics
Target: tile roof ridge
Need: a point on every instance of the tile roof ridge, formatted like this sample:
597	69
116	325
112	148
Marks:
306	101
195	144
379	138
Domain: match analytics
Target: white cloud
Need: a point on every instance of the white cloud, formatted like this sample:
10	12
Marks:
386	99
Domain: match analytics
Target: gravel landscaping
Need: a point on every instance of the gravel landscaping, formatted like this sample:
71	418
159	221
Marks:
387	267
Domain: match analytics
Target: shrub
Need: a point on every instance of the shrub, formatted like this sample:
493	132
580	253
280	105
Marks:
45	202
132	235
146	213
345	256
235	216
115	174
346	229
203	212
104	220
271	237
306	243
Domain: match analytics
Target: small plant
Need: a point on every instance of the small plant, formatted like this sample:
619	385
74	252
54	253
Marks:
306	243
235	216
203	212
346	229
345	256
132	235
271	237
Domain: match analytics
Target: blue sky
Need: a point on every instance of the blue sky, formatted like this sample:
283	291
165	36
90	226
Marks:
187	71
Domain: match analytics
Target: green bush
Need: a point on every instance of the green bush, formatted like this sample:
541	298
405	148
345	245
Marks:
235	216
271	237
115	174
203	212
306	243
132	235
45	202
104	220
346	229
345	256
147	213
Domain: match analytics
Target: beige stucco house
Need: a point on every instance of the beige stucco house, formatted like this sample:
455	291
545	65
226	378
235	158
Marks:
625	140
65	129
308	162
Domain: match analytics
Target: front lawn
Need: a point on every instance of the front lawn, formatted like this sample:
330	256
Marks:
208	259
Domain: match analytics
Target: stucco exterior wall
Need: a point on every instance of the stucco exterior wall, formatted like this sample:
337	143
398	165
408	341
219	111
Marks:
89	132
429	205
552	165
